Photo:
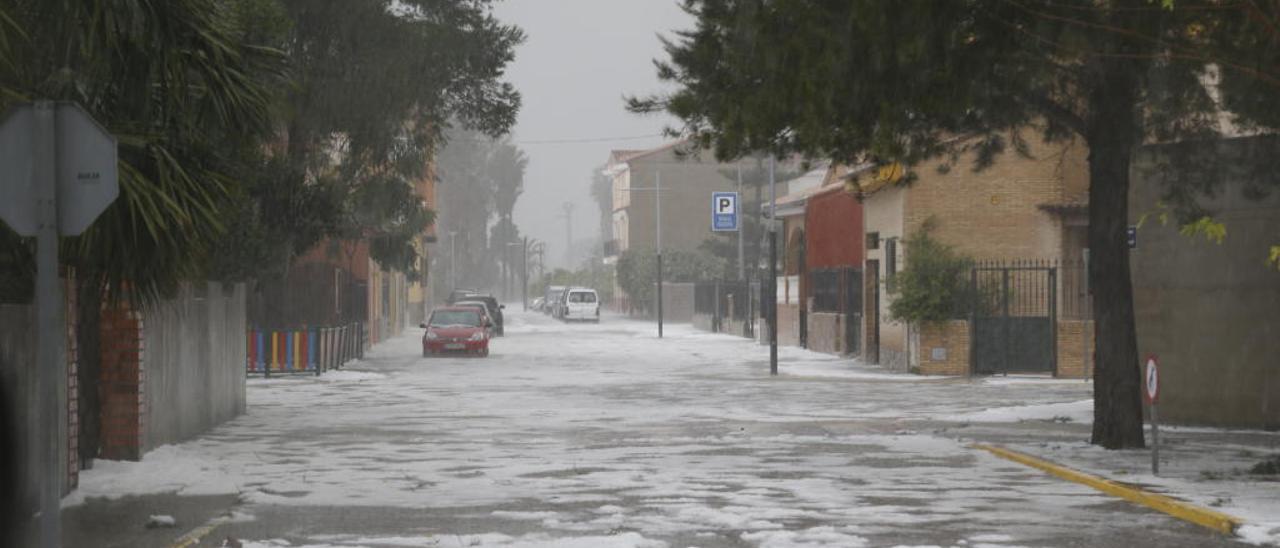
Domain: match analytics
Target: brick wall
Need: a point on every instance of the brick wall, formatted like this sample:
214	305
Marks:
123	387
72	479
995	213
1075	348
943	348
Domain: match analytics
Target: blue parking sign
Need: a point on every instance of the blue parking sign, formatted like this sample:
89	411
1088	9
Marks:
724	211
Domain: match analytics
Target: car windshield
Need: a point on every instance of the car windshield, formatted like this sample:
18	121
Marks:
454	318
582	297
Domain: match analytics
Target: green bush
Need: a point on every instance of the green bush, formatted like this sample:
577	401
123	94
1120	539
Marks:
934	287
637	271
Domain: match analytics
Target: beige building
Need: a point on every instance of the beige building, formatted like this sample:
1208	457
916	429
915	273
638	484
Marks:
1021	208
686	178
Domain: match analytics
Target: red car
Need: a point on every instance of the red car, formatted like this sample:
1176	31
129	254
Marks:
456	330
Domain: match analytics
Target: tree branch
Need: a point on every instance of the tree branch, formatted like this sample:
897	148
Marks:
1056	111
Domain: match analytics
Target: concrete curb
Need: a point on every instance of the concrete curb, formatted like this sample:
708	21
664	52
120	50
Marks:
194	536
1204	517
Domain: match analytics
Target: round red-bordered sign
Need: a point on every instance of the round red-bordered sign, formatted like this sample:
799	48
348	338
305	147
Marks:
1151	380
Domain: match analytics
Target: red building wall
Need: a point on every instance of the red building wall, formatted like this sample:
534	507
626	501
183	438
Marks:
833	230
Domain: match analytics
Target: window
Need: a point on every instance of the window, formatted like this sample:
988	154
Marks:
873	240
582	297
451	318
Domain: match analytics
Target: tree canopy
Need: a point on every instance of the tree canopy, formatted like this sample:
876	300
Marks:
249	130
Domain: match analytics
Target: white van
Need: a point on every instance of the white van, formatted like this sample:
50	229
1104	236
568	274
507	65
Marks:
581	304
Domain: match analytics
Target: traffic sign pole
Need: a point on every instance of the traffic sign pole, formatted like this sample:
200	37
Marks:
57	173
1155	441
48	306
1151	393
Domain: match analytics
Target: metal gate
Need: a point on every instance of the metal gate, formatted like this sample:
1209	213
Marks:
871	289
1014	324
852	289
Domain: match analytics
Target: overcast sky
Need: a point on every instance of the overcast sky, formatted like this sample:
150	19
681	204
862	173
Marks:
579	61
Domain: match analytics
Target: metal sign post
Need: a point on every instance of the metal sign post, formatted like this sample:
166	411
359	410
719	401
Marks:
1151	393
58	173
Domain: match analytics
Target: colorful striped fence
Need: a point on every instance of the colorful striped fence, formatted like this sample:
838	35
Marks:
312	350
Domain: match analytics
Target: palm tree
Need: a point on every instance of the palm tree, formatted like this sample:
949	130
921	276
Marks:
184	98
505	171
169	79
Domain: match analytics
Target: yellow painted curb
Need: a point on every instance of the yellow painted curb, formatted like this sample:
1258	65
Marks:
194	536
1205	517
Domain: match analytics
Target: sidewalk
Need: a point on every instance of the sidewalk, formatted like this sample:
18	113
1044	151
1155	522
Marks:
1231	471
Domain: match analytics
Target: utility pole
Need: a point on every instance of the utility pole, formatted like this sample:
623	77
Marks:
568	234
453	260
742	267
773	271
657	205
657	198
524	275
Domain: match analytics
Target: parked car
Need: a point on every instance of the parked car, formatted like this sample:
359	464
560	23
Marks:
558	312
494	308
457	330
551	298
581	304
481	309
458	294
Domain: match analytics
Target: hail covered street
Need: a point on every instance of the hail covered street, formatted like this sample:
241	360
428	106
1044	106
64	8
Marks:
606	436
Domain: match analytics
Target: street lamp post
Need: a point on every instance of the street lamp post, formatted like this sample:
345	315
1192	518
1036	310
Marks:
773	271
657	199
453	260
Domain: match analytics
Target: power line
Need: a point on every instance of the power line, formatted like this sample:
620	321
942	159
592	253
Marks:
568	141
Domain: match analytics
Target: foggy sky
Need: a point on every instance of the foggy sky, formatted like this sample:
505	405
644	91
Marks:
580	59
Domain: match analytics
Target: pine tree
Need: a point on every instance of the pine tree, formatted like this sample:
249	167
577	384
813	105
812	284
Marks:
894	81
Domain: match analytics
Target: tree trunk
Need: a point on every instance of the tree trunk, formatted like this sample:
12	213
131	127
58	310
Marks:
1112	135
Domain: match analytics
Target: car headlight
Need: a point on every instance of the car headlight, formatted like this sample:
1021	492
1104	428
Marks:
431	335
477	336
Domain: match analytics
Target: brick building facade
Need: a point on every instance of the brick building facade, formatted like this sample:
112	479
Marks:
1021	208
